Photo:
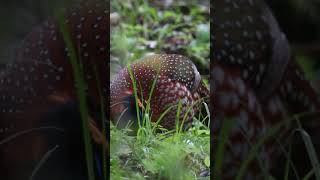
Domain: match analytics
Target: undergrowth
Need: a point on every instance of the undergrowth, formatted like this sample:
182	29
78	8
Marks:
154	152
285	146
168	155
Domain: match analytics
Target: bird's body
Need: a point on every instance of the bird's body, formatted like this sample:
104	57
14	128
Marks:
232	99
176	79
38	85
255	81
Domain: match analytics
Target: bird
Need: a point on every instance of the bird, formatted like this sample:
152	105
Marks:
255	81
176	80
39	107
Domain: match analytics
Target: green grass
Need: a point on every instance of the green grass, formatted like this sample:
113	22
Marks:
81	93
144	28
151	151
155	152
165	155
81	85
310	149
284	146
132	39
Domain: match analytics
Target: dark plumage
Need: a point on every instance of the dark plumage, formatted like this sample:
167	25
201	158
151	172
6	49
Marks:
37	89
255	81
177	79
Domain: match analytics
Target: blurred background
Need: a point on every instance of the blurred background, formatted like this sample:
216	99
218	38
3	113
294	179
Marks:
300	21
141	27
164	30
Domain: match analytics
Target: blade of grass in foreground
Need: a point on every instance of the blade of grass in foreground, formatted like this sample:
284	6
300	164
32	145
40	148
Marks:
42	161
80	89
287	168
255	149
289	164
311	173
310	148
135	93
224	133
103	118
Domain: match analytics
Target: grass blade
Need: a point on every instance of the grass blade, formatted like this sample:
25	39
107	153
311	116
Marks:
224	134
80	89
310	149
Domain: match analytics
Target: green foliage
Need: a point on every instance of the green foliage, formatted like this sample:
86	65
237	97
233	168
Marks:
80	89
160	156
143	28
155	152
270	134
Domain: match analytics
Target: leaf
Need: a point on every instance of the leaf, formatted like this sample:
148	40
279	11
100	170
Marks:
207	161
